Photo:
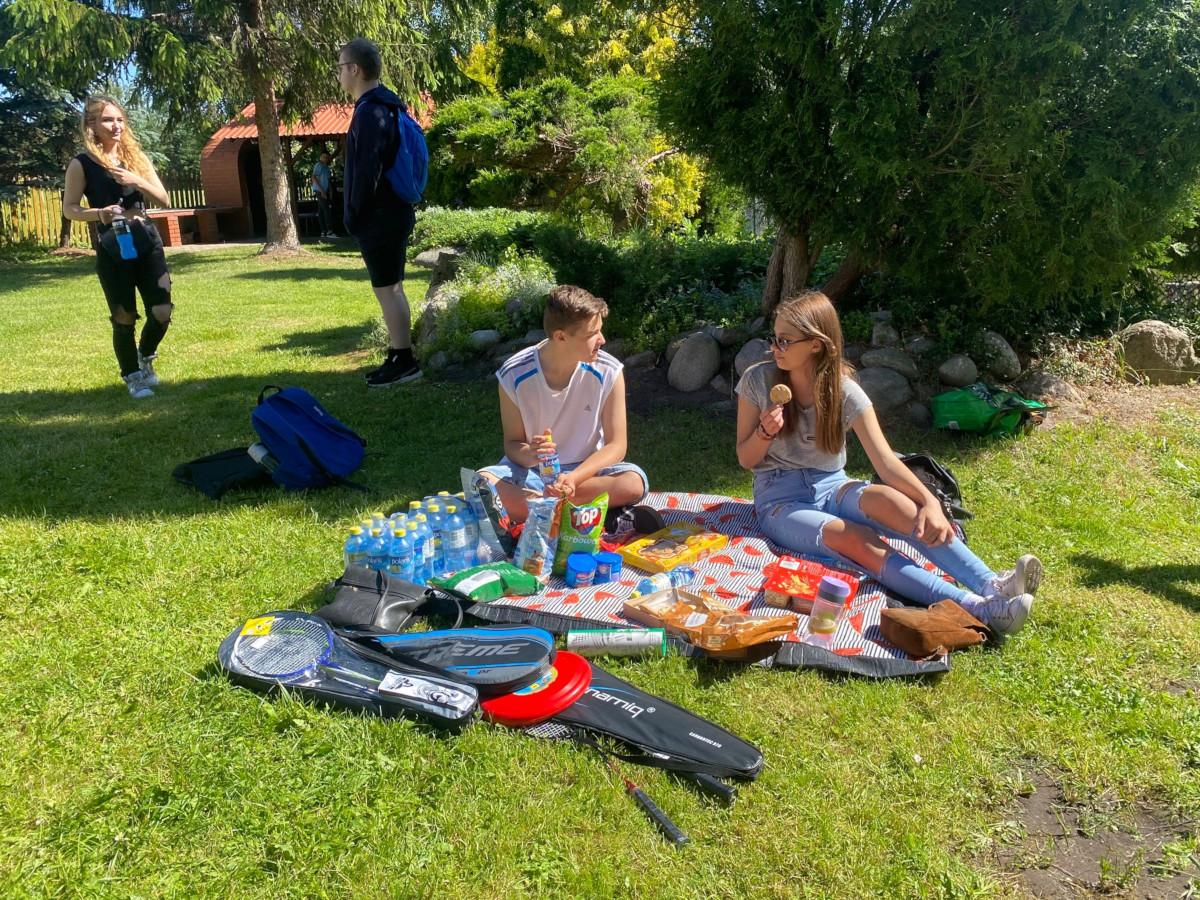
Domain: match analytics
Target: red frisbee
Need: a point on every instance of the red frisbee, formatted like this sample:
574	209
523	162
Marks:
565	683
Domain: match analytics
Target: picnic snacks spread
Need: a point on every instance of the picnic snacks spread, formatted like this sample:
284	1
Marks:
781	394
579	530
680	544
488	582
535	549
792	583
704	621
650	642
827	610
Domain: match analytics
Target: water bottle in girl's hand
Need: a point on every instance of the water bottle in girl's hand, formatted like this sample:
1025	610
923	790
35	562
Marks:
124	237
548	466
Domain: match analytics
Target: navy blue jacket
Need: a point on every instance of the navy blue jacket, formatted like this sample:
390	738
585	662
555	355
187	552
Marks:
371	144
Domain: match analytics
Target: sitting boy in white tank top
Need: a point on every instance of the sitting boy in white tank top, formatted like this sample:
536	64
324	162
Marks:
568	385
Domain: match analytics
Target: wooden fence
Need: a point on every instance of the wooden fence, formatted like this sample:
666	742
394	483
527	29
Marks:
35	215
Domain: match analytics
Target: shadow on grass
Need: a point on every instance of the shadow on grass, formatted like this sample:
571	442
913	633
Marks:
298	273
1177	583
327	341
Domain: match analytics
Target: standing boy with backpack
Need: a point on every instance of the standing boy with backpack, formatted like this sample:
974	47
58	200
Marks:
378	218
571	387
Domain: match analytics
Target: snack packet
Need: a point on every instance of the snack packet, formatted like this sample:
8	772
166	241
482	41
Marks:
488	582
535	549
579	530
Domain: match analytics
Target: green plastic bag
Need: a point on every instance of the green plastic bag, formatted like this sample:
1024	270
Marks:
981	407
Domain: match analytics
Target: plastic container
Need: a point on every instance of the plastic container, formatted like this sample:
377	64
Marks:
354	551
454	540
608	567
400	554
474	556
377	550
662	581
124	237
437	524
548	466
581	570
828	609
425	536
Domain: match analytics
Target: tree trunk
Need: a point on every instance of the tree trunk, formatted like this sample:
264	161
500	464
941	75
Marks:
844	279
787	274
64	234
281	225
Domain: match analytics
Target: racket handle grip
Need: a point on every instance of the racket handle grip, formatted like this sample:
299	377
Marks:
714	786
665	825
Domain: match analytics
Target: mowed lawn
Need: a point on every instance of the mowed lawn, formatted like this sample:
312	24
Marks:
131	768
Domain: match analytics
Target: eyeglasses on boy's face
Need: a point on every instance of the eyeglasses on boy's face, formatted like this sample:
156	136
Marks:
337	70
782	344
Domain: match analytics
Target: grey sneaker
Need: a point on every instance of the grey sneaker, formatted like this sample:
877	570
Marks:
1026	578
146	366
138	389
1004	615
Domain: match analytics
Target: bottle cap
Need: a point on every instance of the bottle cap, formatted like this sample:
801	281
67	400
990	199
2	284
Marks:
433	508
414	504
376	532
834	590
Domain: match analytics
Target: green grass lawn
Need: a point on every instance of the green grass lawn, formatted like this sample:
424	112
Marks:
131	768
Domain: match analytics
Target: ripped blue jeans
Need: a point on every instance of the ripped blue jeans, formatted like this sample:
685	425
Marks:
793	505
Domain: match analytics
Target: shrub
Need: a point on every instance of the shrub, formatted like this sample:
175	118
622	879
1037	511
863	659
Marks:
681	308
482	231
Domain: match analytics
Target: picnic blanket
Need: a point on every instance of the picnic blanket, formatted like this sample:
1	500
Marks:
734	574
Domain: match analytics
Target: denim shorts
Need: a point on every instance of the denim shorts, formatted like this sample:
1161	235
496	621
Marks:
530	480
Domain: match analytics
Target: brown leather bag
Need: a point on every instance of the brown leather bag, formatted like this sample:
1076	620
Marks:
935	631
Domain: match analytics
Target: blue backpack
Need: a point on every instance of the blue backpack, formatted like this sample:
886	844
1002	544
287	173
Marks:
310	447
410	170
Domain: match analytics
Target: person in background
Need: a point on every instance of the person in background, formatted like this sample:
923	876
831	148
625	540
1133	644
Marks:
806	503
379	220
116	178
322	182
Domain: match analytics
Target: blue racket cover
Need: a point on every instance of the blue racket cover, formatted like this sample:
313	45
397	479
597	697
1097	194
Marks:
495	659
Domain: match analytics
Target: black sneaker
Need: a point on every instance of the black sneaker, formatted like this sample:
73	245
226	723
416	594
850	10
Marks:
392	372
641	519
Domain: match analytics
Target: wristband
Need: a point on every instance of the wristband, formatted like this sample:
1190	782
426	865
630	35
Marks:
762	433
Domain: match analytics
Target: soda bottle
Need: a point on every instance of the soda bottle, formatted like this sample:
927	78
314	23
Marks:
427	550
354	551
377	550
454	540
548	466
124	237
662	581
400	555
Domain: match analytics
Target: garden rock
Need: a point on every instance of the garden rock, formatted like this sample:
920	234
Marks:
727	336
695	363
887	388
437	361
881	315
678	341
720	384
643	360
534	336
919	415
428	259
724	406
852	353
505	349
1159	352
958	371
884	335
427	331
754	351
448	261
1046	388
615	348
892	358
483	339
759	324
920	345
996	356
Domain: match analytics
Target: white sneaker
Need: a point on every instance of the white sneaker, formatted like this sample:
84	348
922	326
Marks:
138	389
1004	615
146	366
1026	578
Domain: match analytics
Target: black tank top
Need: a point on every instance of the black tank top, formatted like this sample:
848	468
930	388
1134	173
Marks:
101	189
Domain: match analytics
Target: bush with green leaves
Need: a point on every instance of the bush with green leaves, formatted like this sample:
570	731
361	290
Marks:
483	294
485	231
678	309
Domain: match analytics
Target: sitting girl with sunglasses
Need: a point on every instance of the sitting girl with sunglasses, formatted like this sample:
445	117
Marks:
807	504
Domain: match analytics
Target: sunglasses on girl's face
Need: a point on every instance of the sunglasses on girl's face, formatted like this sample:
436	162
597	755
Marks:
782	344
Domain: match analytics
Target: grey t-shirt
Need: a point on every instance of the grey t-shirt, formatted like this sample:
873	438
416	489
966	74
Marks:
799	451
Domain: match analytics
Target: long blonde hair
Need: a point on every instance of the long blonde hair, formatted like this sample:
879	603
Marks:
129	151
812	314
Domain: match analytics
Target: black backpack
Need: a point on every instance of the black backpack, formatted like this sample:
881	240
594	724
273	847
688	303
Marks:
941	483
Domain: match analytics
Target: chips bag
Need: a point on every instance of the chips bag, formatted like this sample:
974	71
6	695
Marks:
488	582
579	530
535	549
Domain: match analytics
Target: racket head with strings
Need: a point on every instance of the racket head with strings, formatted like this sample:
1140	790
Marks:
285	647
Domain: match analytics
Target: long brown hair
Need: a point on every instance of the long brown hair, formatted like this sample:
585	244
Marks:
812	314
129	151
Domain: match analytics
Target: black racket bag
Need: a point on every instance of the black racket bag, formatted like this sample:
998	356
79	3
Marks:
657	732
377	601
497	659
300	652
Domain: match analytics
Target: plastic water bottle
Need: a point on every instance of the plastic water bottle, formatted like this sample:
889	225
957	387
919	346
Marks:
474	557
454	540
548	466
377	519
124	237
377	550
662	581
400	555
425	531
354	552
437	526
